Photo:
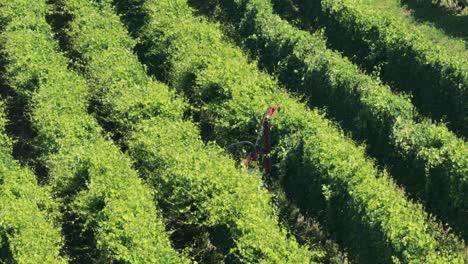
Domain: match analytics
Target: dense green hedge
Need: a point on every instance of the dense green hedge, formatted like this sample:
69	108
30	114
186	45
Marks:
436	76
29	230
323	171
110	214
200	189
430	160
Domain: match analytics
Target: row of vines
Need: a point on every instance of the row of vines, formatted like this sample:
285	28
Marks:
29	231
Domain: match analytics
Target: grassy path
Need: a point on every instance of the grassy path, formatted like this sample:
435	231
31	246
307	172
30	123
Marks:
452	23
449	30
